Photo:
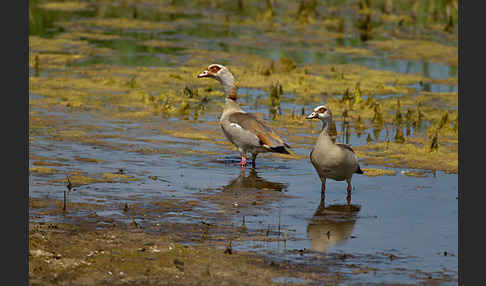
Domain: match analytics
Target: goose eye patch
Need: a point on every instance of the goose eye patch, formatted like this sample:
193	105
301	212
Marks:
322	110
214	69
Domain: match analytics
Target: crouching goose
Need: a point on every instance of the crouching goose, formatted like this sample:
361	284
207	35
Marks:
333	161
248	133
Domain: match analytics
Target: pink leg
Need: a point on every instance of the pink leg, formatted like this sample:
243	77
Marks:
243	162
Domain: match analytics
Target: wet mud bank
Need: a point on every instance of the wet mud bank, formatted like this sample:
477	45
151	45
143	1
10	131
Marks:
88	249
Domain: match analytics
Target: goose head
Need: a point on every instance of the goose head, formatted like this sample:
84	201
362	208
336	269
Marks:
217	72
224	76
321	112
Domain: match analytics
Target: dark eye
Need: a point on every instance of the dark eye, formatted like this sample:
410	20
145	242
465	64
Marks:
322	110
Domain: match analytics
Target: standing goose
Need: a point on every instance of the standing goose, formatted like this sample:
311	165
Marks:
248	133
333	161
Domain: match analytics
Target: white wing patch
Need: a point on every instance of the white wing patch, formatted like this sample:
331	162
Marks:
235	125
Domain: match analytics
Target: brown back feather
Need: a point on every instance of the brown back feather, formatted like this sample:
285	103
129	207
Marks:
251	123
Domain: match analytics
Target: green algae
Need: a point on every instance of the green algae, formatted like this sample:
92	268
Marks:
115	177
79	179
38	61
353	51
145	93
364	113
60	52
92	35
332	80
117	24
415	174
311	81
373	172
64	46
42	125
124	88
48	163
43	170
68	6
414	156
419	50
88	160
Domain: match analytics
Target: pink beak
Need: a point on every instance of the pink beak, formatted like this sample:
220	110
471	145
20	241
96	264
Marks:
312	115
203	74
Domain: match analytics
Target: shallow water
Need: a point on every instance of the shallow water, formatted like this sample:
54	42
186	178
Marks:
401	227
411	218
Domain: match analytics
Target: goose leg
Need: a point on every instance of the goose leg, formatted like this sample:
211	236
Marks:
323	190
243	162
253	158
348	197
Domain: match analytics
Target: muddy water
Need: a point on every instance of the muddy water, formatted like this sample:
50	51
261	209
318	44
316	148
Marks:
399	228
398	225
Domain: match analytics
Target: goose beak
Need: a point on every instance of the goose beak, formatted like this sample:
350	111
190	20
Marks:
203	74
311	116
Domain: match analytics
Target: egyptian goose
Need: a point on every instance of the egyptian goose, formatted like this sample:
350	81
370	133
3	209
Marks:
248	133
332	160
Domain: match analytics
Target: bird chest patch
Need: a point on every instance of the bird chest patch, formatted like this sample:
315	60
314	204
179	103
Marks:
235	125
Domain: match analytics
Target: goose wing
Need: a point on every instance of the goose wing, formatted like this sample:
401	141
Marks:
267	137
348	147
345	146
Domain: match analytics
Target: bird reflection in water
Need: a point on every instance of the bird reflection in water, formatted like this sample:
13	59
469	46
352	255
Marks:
331	225
253	181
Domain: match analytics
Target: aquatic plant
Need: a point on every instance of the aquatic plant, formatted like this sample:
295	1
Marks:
276	92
